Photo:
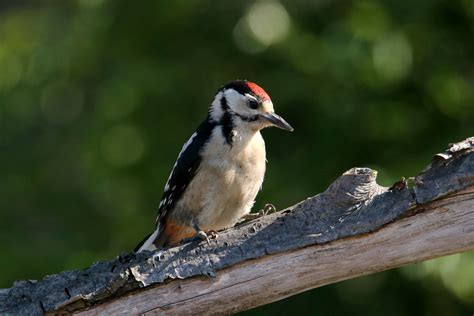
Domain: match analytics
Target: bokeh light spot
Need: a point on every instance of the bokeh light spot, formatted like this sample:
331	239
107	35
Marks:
269	21
452	93
123	145
266	23
455	272
392	57
244	39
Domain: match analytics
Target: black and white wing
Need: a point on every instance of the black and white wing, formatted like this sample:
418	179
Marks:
183	172
184	169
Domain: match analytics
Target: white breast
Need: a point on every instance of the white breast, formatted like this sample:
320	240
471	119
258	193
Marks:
228	180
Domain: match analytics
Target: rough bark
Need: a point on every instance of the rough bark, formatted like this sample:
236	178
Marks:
355	227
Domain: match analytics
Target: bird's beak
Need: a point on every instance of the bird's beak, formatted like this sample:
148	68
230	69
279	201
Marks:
277	121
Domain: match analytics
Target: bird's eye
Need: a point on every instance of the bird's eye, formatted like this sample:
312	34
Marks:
253	104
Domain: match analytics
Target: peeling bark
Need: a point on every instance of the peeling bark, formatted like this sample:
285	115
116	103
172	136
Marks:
352	213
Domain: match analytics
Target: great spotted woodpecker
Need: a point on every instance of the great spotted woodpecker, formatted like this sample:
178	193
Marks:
219	170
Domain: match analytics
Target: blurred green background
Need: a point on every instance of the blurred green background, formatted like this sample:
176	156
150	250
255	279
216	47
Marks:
97	98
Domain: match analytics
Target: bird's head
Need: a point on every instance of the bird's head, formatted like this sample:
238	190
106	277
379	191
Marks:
244	103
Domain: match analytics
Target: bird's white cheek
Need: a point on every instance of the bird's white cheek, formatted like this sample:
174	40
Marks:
259	124
267	107
235	101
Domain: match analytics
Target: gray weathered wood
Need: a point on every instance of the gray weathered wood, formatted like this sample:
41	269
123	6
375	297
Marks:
355	227
439	231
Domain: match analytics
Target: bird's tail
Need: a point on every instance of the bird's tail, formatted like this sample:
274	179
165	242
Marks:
148	243
166	234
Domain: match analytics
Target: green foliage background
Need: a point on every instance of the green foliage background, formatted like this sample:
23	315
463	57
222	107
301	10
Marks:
97	98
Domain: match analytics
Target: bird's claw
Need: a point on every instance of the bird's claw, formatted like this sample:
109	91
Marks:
266	210
202	234
212	234
207	236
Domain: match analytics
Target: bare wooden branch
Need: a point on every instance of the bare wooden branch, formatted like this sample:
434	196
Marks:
353	228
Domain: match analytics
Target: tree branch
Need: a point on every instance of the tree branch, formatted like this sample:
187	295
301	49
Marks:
355	227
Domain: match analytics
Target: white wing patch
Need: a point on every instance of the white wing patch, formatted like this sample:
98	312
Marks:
186	145
168	199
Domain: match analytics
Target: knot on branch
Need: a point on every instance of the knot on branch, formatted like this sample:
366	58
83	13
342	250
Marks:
353	188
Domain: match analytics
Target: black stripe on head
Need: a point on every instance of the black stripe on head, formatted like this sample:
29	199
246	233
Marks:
224	104
252	118
227	127
241	86
226	122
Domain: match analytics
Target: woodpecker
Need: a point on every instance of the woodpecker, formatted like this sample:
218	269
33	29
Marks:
219	170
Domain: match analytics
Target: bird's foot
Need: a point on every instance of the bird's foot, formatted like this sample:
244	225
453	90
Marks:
266	210
212	234
207	236
203	236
